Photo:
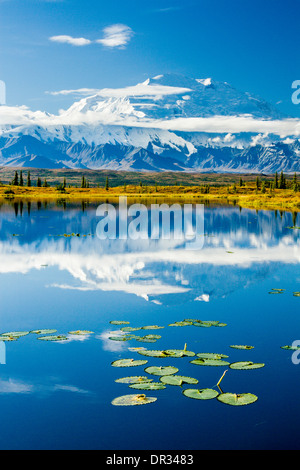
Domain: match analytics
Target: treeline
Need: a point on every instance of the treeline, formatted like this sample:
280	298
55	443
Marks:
19	180
279	182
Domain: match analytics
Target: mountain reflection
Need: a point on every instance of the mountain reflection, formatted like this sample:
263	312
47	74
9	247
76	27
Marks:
240	247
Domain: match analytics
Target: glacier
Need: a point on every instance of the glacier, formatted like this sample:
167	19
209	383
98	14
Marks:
167	123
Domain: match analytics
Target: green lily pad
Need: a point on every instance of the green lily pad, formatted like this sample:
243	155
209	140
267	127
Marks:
220	325
246	365
296	294
241	346
235	399
291	348
119	322
161	371
202	325
81	332
43	332
53	338
158	353
9	338
209	362
148	386
181	323
177	380
152	327
203	394
119	338
211	356
131	400
128	363
16	334
136	379
182	352
128	329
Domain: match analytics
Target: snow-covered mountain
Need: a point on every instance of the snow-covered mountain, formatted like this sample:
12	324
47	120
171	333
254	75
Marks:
169	122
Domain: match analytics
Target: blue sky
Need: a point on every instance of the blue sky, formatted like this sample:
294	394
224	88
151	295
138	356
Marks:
50	45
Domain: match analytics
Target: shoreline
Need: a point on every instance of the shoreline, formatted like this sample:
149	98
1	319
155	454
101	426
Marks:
282	200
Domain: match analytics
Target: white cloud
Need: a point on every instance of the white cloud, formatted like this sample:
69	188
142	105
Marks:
117	35
70	40
142	90
114	36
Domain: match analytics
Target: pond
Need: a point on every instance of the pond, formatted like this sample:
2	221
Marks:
238	289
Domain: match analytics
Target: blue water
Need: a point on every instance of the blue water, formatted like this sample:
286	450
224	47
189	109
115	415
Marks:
58	395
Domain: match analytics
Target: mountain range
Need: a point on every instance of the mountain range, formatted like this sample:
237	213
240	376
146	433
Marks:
167	123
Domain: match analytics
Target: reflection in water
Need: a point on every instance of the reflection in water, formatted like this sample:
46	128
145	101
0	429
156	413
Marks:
240	247
55	273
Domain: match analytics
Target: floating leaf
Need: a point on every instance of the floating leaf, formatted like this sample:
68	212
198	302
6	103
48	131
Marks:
81	332
9	338
291	348
119	322
43	332
135	349
53	338
130	400
161	371
128	329
152	327
235	399
181	352
177	380
119	338
148	386
157	353
134	379
128	363
16	334
211	356
296	294
244	365
203	394
241	346
209	362
181	323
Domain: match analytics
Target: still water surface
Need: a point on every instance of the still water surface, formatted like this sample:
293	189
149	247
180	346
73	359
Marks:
58	395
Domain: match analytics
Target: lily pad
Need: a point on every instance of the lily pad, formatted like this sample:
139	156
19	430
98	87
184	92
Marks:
131	400
241	346
53	338
81	332
158	353
43	332
119	322
152	327
9	338
128	363
128	329
209	362
182	352
246	365
291	348
296	294
148	386
203	394
136	379
16	334
161	371
211	356
119	338
178	380
235	399
181	323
